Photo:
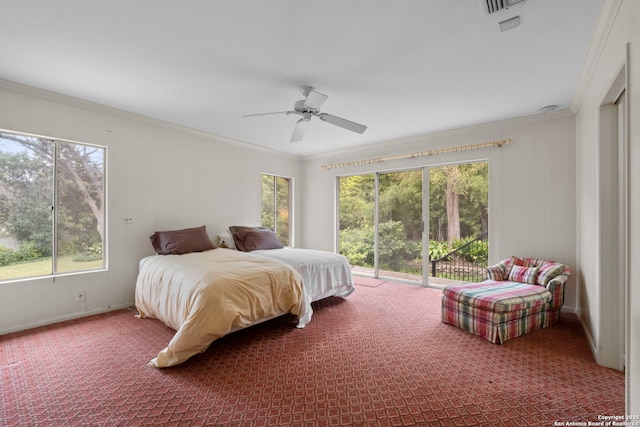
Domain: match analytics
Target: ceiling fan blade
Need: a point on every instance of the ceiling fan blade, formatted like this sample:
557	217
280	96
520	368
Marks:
343	123
298	131
266	114
315	99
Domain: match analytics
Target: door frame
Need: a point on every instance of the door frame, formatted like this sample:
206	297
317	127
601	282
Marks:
426	169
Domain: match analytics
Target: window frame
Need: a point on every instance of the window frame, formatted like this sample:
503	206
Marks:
290	204
375	270
56	204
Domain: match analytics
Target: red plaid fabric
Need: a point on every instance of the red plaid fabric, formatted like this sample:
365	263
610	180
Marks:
556	287
491	316
498	333
503	269
523	274
502	310
499	296
548	270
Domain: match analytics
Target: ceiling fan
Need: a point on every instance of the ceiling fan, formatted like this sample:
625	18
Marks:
310	106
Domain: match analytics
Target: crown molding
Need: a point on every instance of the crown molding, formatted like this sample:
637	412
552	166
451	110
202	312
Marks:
70	101
606	17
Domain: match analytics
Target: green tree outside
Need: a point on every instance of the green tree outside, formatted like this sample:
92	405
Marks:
275	205
400	215
27	201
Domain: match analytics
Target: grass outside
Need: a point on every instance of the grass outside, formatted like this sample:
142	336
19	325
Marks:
42	267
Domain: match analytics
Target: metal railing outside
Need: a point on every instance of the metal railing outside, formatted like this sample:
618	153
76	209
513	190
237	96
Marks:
466	263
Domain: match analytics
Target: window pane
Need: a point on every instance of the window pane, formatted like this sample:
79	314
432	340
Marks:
356	213
26	199
36	175
282	208
268	194
458	222
276	205
79	213
400	225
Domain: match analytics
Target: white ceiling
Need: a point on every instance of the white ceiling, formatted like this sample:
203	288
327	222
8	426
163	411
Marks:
403	68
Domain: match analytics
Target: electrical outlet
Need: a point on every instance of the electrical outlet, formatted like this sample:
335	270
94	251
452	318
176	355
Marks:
80	296
128	220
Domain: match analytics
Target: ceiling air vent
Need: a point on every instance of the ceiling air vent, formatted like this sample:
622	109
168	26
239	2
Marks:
496	5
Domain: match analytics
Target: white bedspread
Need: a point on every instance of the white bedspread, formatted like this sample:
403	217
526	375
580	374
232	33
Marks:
324	274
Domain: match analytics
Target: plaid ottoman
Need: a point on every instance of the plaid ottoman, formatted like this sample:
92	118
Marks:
500	310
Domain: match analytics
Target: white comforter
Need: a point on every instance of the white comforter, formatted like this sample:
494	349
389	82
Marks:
324	273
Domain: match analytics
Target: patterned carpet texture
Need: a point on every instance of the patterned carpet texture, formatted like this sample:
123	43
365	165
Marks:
379	358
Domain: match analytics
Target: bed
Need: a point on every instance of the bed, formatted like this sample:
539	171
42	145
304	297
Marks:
204	292
324	274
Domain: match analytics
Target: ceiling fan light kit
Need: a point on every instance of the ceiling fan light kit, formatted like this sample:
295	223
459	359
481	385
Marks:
310	106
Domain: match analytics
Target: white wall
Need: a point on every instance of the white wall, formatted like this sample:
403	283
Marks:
618	26
531	185
162	176
633	297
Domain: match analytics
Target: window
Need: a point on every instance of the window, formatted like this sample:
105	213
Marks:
276	206
51	206
382	218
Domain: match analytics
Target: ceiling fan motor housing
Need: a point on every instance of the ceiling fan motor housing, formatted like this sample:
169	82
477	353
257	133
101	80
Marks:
301	107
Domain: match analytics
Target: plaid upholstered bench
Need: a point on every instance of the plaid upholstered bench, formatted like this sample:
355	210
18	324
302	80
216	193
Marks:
520	296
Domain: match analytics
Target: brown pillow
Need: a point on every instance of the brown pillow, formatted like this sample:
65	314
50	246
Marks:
249	239
178	242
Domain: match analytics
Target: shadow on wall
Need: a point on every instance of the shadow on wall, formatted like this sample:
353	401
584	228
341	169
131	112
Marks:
582	310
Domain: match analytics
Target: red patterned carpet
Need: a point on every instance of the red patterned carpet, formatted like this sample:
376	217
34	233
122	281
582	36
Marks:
379	358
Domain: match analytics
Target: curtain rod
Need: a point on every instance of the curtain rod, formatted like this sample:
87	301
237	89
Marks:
498	143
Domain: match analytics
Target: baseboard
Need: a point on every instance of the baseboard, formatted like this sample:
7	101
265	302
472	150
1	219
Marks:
587	334
578	313
65	318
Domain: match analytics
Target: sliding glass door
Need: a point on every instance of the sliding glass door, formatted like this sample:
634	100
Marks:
400	225
458	223
356	213
382	218
381	224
